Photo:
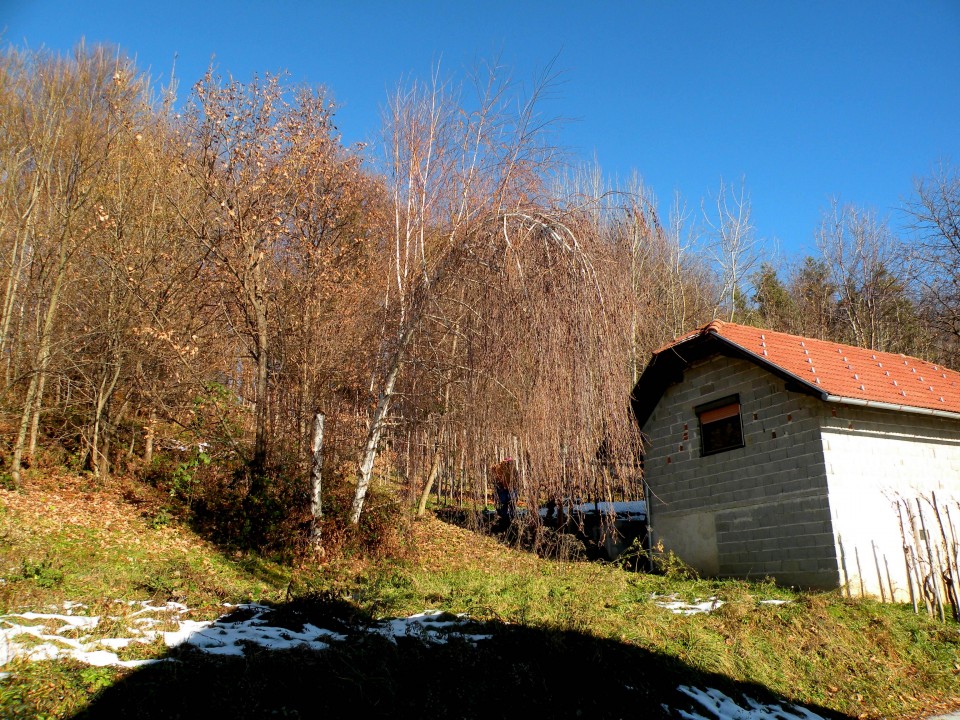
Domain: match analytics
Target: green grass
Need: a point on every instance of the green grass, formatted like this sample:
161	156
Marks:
41	565
853	657
858	658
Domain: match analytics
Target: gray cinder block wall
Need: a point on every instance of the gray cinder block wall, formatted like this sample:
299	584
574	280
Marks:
756	511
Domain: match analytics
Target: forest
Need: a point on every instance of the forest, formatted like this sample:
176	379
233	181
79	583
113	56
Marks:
192	277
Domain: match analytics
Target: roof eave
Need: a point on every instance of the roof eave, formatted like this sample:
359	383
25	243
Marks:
912	409
667	366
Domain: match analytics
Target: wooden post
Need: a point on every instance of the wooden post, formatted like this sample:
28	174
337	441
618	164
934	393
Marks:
947	584
950	576
483	474
876	562
917	550
856	556
316	479
920	583
906	558
934	579
843	559
955	549
886	565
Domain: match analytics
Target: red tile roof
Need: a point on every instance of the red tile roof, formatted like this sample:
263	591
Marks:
843	370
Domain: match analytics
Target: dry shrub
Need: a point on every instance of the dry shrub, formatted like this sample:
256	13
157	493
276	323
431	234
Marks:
216	499
384	530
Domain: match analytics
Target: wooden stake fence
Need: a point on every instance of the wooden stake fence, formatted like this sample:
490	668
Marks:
932	555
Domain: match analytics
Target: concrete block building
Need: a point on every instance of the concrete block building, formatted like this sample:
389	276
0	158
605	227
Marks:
770	454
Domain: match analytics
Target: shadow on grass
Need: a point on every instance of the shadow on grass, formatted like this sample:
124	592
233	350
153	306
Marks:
517	672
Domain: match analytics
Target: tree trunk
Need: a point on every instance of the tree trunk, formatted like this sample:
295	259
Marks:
103	464
101	421
259	462
435	463
148	443
42	362
17	461
316	479
18	257
35	423
434	471
376	427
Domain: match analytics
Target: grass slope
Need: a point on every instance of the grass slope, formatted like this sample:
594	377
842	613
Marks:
570	639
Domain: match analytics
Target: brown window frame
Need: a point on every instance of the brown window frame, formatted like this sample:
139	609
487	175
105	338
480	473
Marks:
716	418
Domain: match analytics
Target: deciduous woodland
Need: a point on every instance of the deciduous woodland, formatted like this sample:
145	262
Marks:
188	278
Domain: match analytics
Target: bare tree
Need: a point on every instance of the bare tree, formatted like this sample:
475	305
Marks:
936	213
869	268
672	285
67	113
449	174
733	242
277	211
508	289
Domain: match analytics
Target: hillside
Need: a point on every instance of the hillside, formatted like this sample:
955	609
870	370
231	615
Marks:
540	636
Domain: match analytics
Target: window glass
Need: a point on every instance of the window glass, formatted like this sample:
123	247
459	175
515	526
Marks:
720	426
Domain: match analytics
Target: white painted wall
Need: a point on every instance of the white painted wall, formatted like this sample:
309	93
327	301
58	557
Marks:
873	457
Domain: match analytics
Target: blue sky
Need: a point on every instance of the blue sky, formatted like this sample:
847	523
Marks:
807	100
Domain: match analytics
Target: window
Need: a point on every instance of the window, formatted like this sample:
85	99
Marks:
720	425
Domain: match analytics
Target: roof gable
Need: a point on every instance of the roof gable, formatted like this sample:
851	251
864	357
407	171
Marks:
830	370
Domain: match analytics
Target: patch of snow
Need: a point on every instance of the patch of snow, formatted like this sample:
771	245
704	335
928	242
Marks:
679	607
774	602
39	653
186	629
222	636
719	706
148	621
230	640
428	627
167	607
56	645
72	621
97	658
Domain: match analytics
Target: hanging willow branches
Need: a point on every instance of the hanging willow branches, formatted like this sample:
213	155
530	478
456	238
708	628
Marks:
508	320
